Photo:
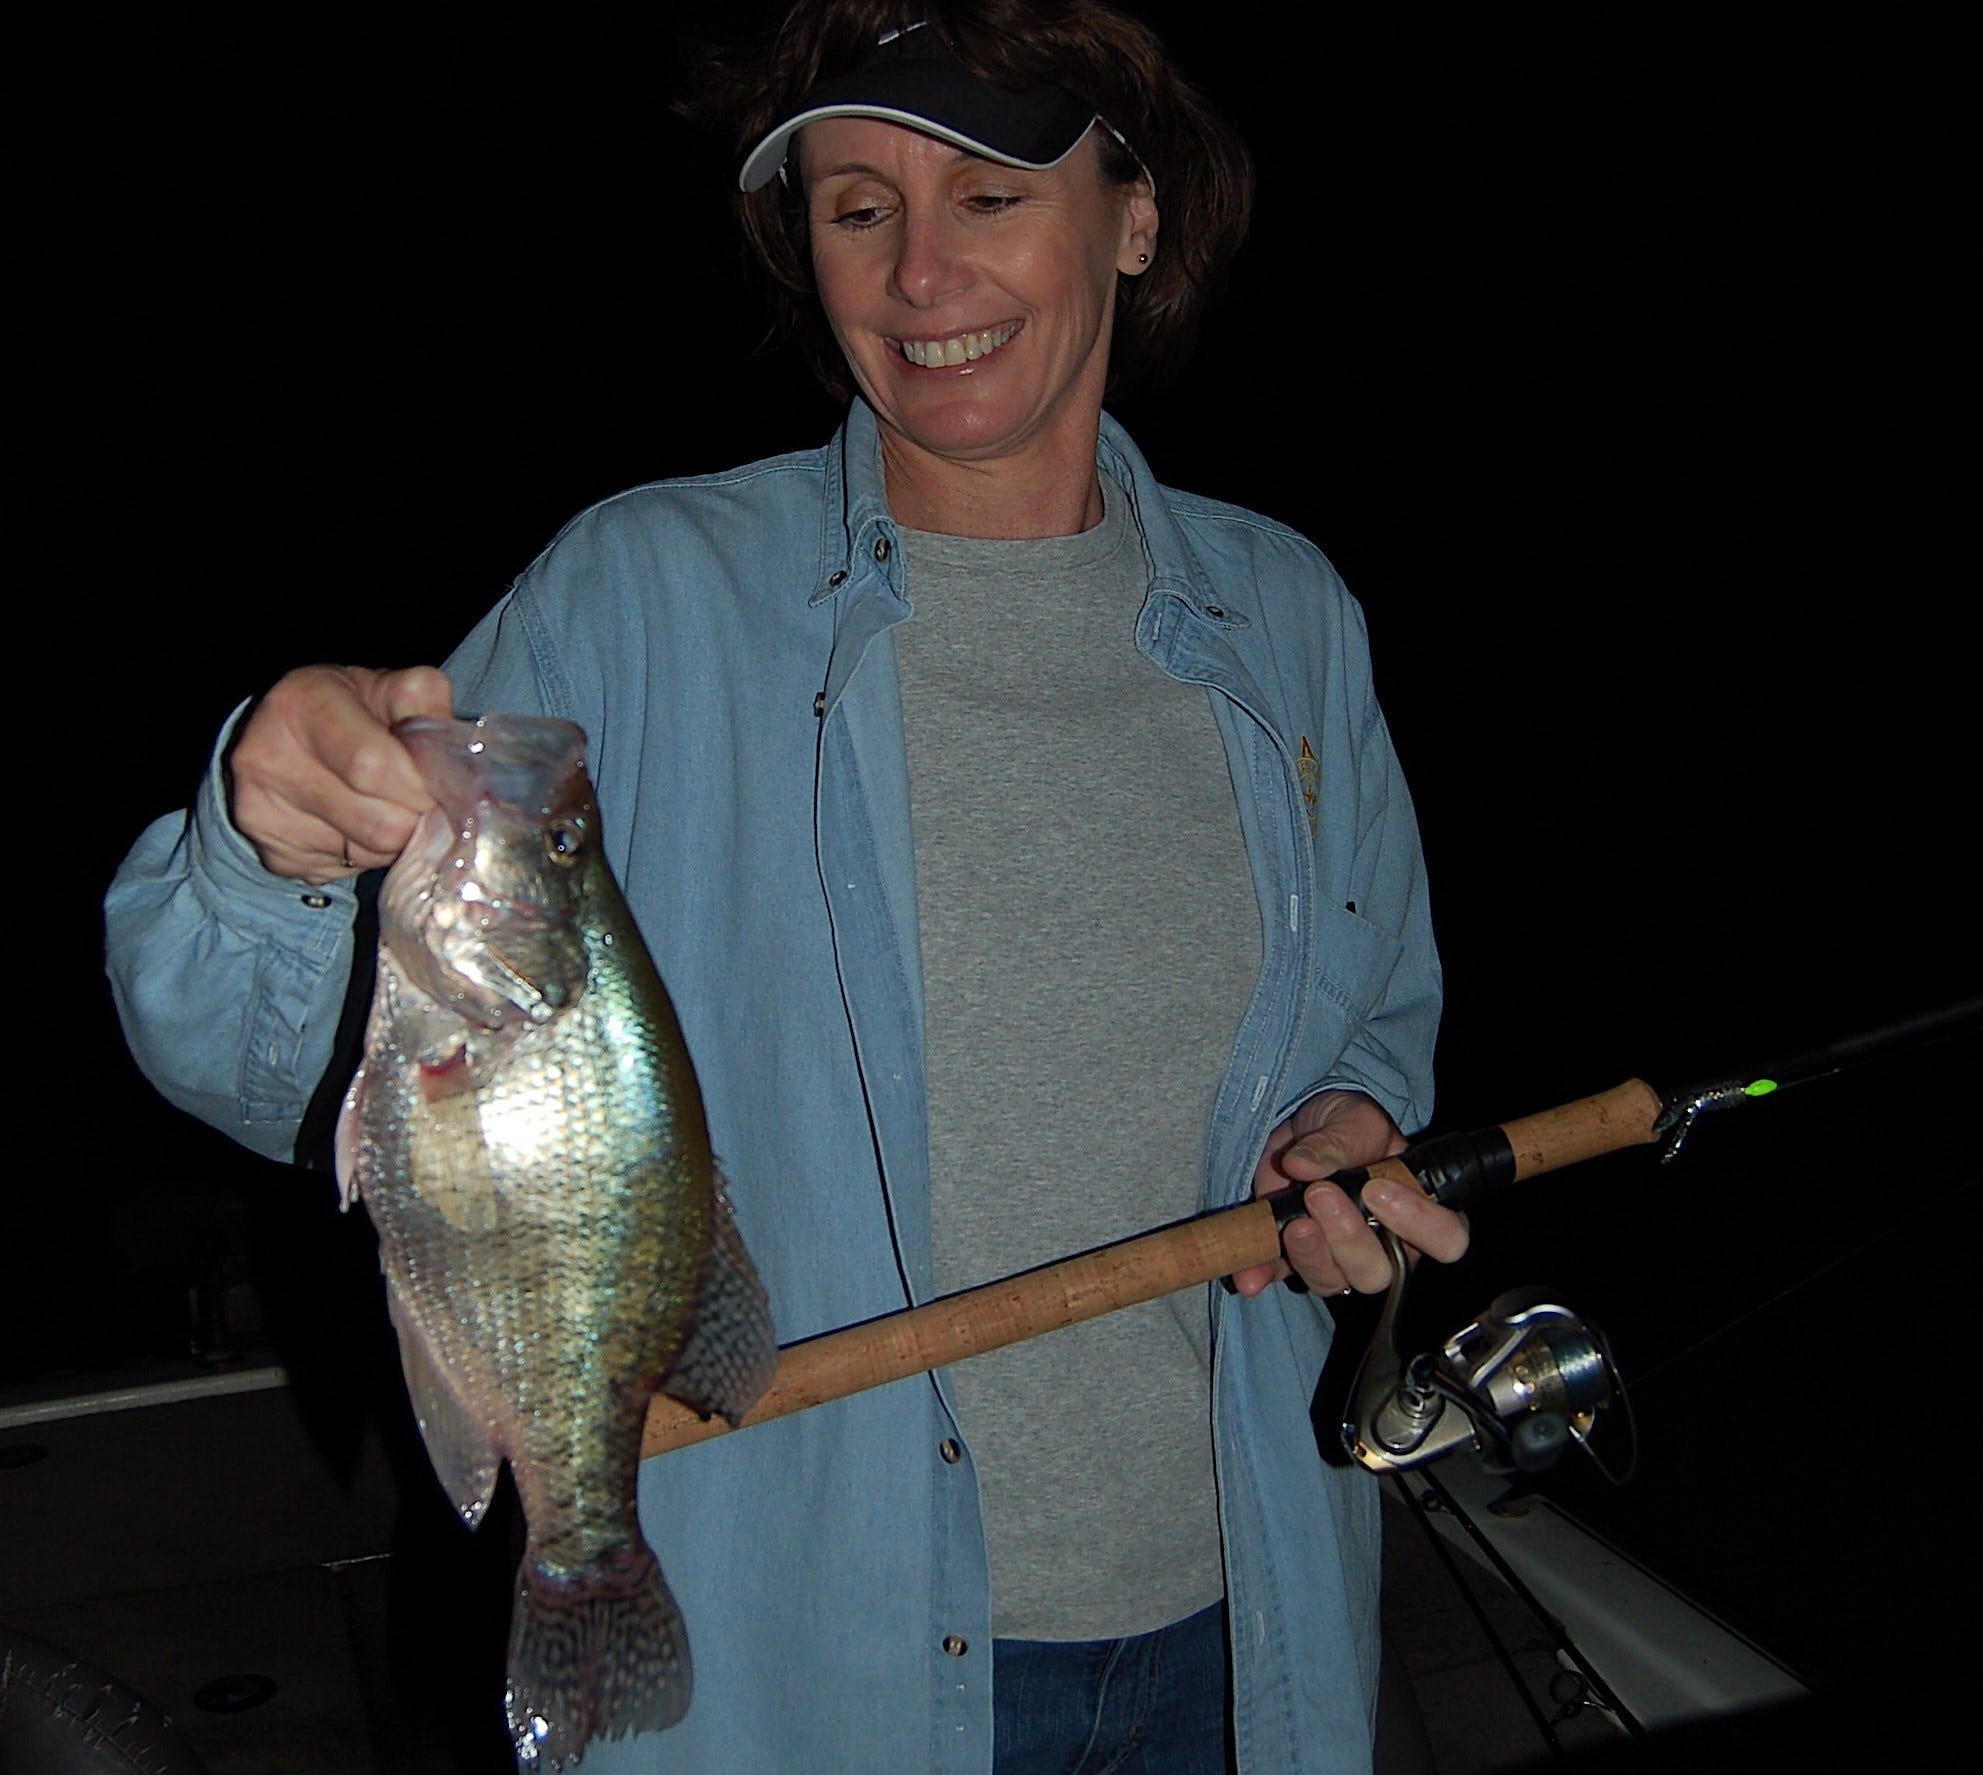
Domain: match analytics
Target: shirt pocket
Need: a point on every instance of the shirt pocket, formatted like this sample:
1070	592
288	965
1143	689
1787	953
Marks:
1354	963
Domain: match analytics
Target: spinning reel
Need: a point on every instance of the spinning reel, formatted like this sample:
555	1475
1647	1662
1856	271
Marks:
1519	1384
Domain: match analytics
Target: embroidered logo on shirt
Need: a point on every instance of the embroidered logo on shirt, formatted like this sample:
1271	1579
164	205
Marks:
1310	768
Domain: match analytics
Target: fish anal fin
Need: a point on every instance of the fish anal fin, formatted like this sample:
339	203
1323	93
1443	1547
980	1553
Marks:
598	1654
460	1449
731	1350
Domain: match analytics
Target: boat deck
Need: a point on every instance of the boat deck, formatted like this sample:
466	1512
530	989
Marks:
285	1582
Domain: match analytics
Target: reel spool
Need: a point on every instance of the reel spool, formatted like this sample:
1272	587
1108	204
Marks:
1518	1384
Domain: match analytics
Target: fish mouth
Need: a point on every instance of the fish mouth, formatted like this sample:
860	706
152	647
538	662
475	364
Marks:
517	761
494	913
493	983
537	993
958	348
519	957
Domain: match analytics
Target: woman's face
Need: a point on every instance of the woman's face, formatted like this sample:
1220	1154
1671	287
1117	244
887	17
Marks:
973	301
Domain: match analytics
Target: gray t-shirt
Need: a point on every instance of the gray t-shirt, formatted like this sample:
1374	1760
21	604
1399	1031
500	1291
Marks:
1090	941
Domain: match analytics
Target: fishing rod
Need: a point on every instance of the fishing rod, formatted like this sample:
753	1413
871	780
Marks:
1517	1382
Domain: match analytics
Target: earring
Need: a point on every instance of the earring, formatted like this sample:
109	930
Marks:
1142	258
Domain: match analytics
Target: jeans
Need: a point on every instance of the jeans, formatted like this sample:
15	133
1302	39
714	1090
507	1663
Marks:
1151	1705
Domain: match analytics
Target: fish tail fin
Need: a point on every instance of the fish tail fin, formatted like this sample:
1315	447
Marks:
597	1655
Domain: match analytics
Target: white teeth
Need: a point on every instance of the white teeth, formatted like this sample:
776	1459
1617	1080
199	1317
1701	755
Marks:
963	349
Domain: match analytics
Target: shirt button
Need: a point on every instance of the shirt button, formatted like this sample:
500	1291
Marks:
1216	612
955	1645
881	548
950	1451
316	902
838	579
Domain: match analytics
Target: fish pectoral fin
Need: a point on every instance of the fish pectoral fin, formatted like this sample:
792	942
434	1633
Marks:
349	1139
448	1162
731	1350
459	1448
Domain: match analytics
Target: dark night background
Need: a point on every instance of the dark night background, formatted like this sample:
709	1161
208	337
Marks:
1617	358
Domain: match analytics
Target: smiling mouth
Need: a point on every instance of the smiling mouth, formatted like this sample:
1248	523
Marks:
962	348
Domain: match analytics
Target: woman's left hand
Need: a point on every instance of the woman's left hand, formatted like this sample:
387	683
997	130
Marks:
1333	1248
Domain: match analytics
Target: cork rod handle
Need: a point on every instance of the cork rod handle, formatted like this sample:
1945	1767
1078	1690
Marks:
1152	1264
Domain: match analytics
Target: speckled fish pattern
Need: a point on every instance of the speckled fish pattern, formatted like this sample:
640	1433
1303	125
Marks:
527	1135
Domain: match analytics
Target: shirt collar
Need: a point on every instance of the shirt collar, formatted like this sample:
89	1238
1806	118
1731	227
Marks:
856	514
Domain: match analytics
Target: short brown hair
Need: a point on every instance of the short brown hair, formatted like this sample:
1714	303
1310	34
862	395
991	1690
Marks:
1201	169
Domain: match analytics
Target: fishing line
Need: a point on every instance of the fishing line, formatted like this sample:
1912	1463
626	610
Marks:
1493	1634
1641	1380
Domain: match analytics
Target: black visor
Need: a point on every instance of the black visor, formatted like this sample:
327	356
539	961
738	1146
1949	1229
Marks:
913	79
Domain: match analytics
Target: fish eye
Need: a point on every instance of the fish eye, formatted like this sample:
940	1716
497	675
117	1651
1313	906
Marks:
564	841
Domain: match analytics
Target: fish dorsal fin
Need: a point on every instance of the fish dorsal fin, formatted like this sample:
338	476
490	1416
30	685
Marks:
731	1352
464	1456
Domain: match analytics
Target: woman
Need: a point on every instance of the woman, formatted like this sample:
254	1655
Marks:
1023	848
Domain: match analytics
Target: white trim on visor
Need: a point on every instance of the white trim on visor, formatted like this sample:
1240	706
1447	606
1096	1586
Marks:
756	172
771	156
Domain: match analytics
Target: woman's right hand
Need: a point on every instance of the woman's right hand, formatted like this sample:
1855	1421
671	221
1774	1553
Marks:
318	784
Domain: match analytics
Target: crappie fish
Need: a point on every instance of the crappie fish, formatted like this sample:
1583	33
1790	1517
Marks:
528	1139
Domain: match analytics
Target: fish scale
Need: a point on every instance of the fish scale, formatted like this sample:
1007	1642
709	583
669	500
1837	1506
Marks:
527	1135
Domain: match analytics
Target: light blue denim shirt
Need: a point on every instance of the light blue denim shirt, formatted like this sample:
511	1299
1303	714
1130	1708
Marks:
724	640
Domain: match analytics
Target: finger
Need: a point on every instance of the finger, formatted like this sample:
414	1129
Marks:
1315	1156
413	691
349	728
1417	1219
1258	1277
320	786
305	817
1266	1179
389	793
1330	1131
294	841
310	852
1310	1258
1334	1248
1347	1129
